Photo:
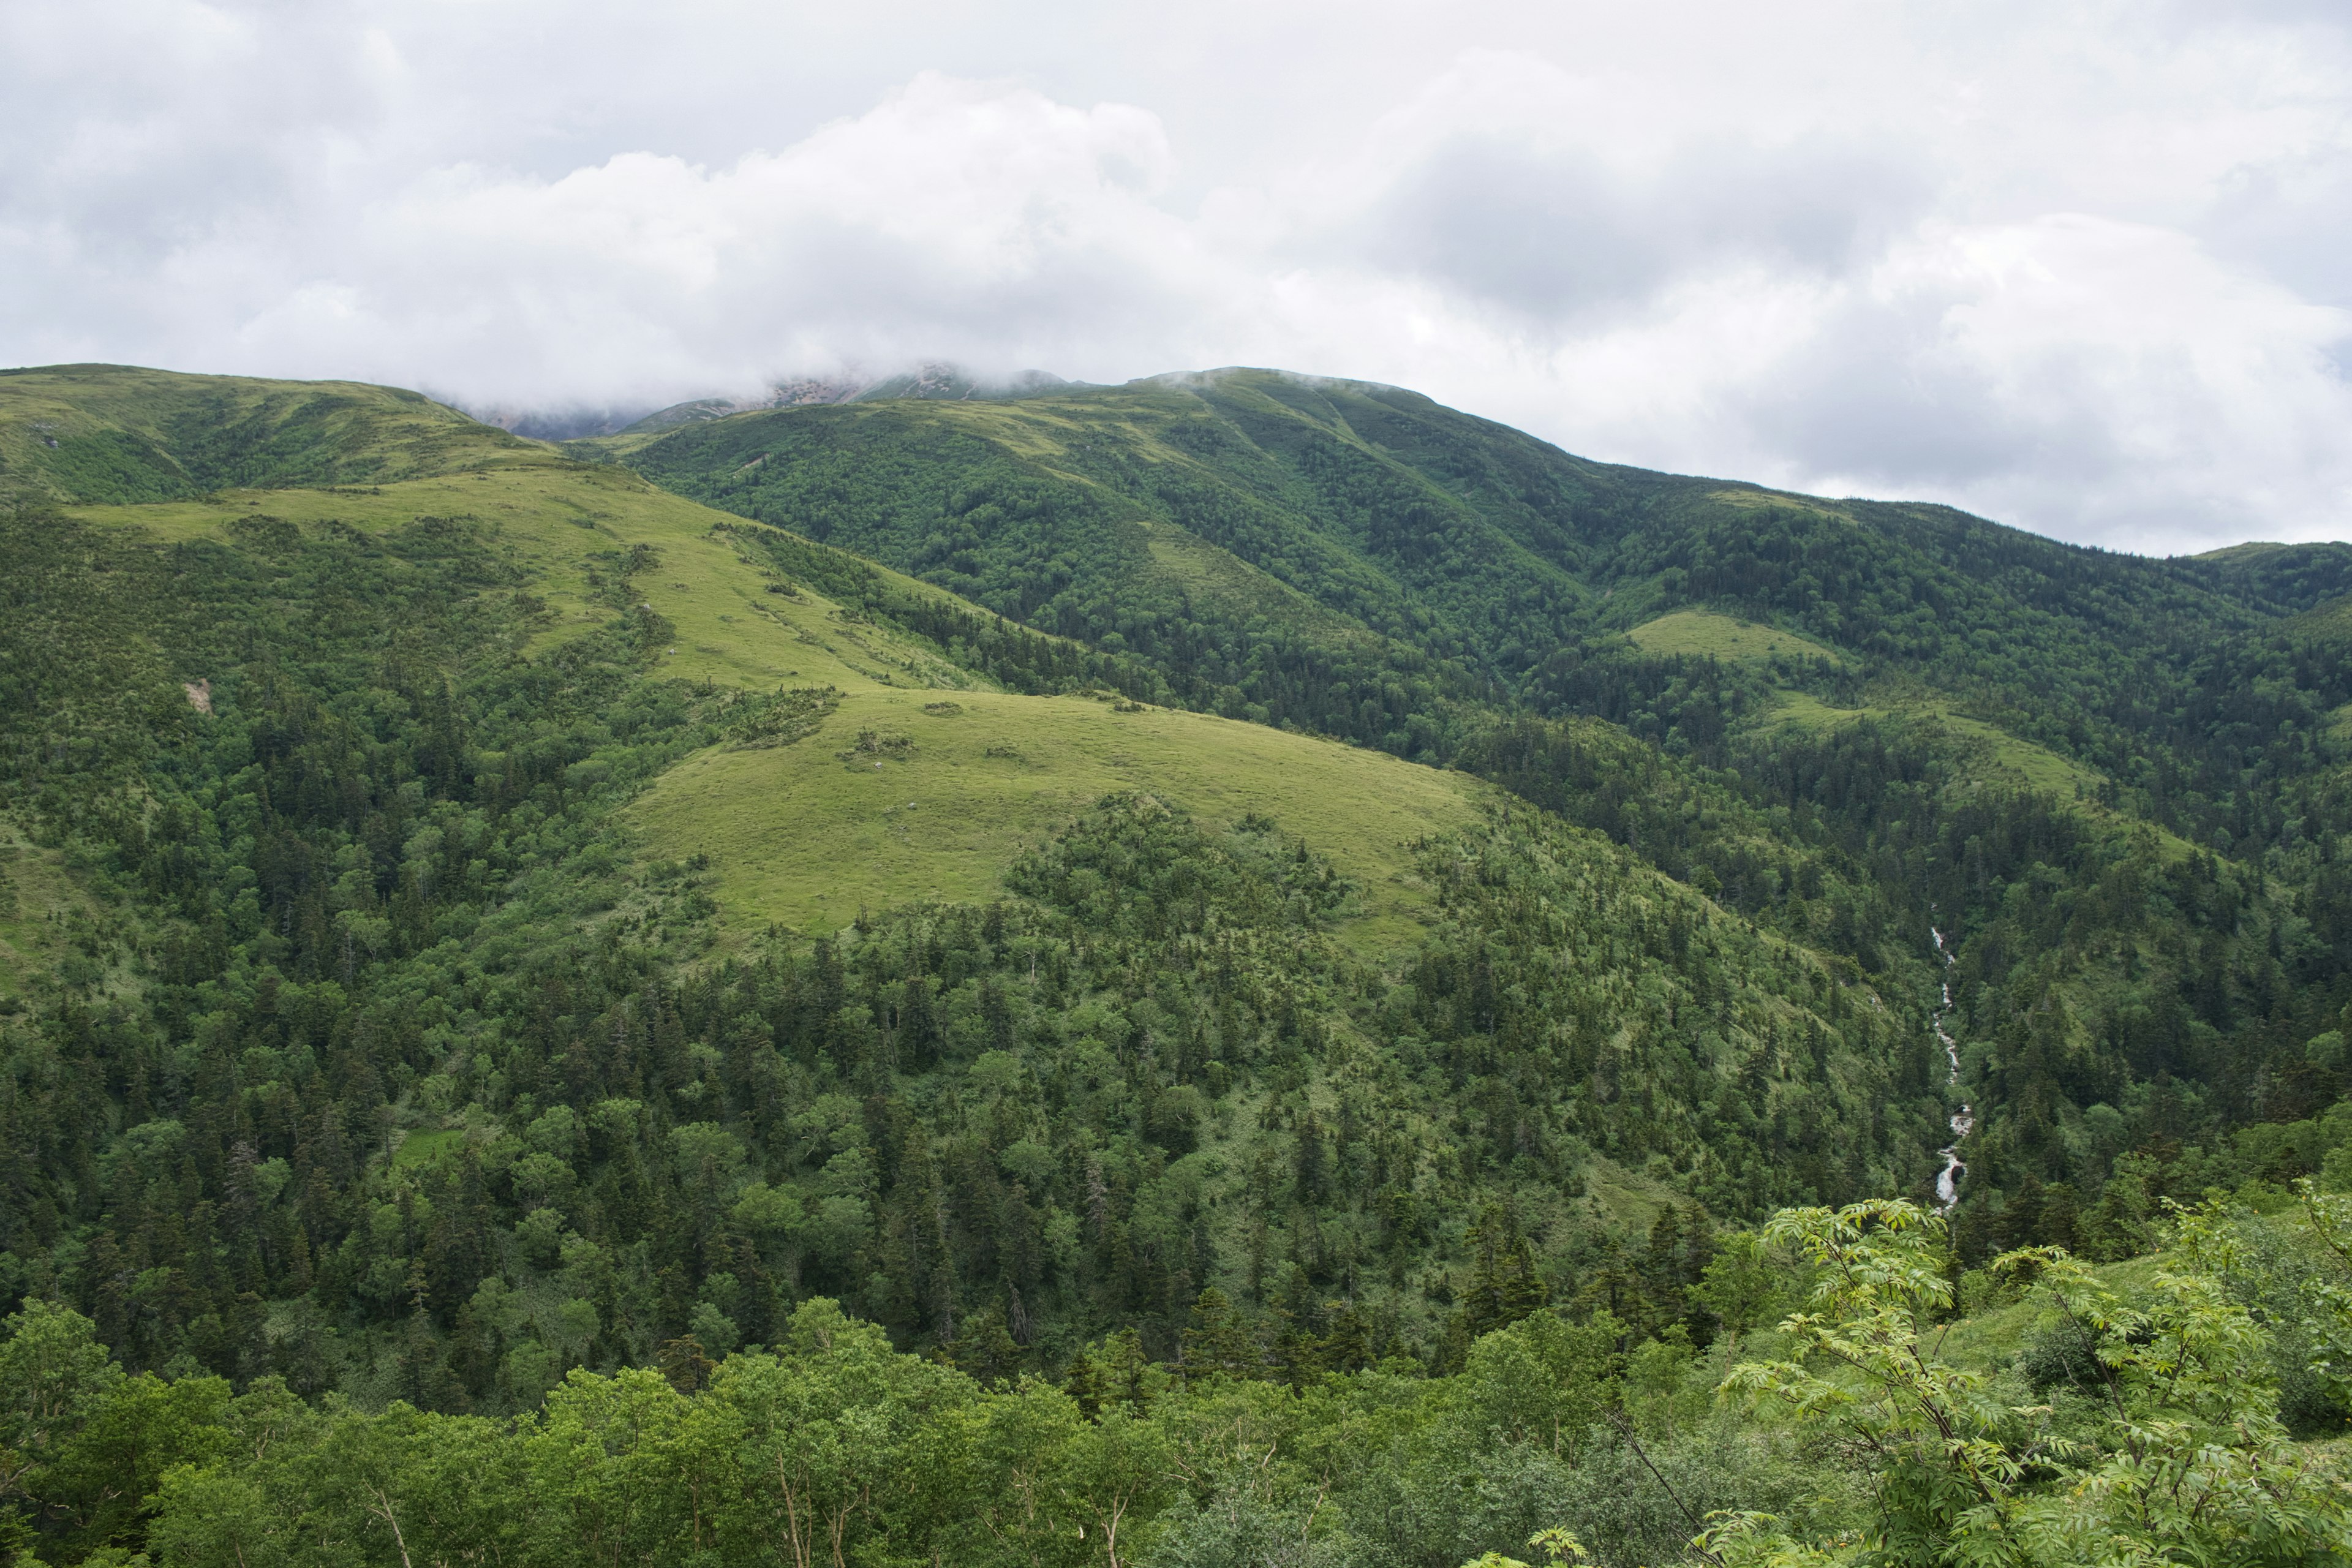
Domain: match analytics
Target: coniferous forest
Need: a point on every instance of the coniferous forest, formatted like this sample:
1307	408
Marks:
1238	970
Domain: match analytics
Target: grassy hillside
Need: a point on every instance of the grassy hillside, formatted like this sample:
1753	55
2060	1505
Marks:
1704	634
39	909
115	435
588	546
902	796
1997	757
576	534
790	849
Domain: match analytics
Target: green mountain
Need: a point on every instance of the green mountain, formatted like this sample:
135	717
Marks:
1187	517
1273	868
935	383
1181	953
1923	712
110	434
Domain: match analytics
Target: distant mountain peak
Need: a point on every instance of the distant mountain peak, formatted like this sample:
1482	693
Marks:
941	381
936	381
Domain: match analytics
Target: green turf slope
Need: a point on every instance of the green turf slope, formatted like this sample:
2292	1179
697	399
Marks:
910	794
570	528
116	435
1704	634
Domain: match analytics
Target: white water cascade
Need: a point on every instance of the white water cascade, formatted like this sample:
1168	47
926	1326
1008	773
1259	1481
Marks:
1964	1120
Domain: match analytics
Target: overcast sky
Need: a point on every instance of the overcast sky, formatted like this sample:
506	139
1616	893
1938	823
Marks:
2082	267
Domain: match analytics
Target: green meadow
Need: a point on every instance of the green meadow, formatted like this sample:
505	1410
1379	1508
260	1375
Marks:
908	795
1704	634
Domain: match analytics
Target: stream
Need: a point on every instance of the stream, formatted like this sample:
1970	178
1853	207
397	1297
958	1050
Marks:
1948	1180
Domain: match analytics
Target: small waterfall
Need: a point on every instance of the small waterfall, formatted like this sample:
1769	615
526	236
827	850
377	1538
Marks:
1964	1120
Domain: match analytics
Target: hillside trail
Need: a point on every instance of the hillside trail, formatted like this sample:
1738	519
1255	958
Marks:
1964	1120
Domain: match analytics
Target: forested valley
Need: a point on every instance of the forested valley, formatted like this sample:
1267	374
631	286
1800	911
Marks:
416	1145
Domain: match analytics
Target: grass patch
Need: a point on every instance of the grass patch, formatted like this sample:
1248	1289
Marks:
1221	577
25	936
806	835
1704	634
1779	500
424	1147
49	924
1998	752
566	524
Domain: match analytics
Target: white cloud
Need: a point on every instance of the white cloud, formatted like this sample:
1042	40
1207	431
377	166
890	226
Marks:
2075	266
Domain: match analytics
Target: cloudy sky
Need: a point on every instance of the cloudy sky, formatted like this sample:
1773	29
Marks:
2084	267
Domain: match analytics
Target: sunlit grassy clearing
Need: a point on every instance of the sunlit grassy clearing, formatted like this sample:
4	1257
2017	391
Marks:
1704	634
802	837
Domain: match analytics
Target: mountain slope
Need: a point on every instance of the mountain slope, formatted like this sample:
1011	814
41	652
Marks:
2117	785
1136	515
947	794
557	856
482	930
515	917
1444	535
114	435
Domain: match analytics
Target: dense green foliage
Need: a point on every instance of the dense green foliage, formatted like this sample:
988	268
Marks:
2118	988
2132	1424
412	1142
369	1022
2165	1447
